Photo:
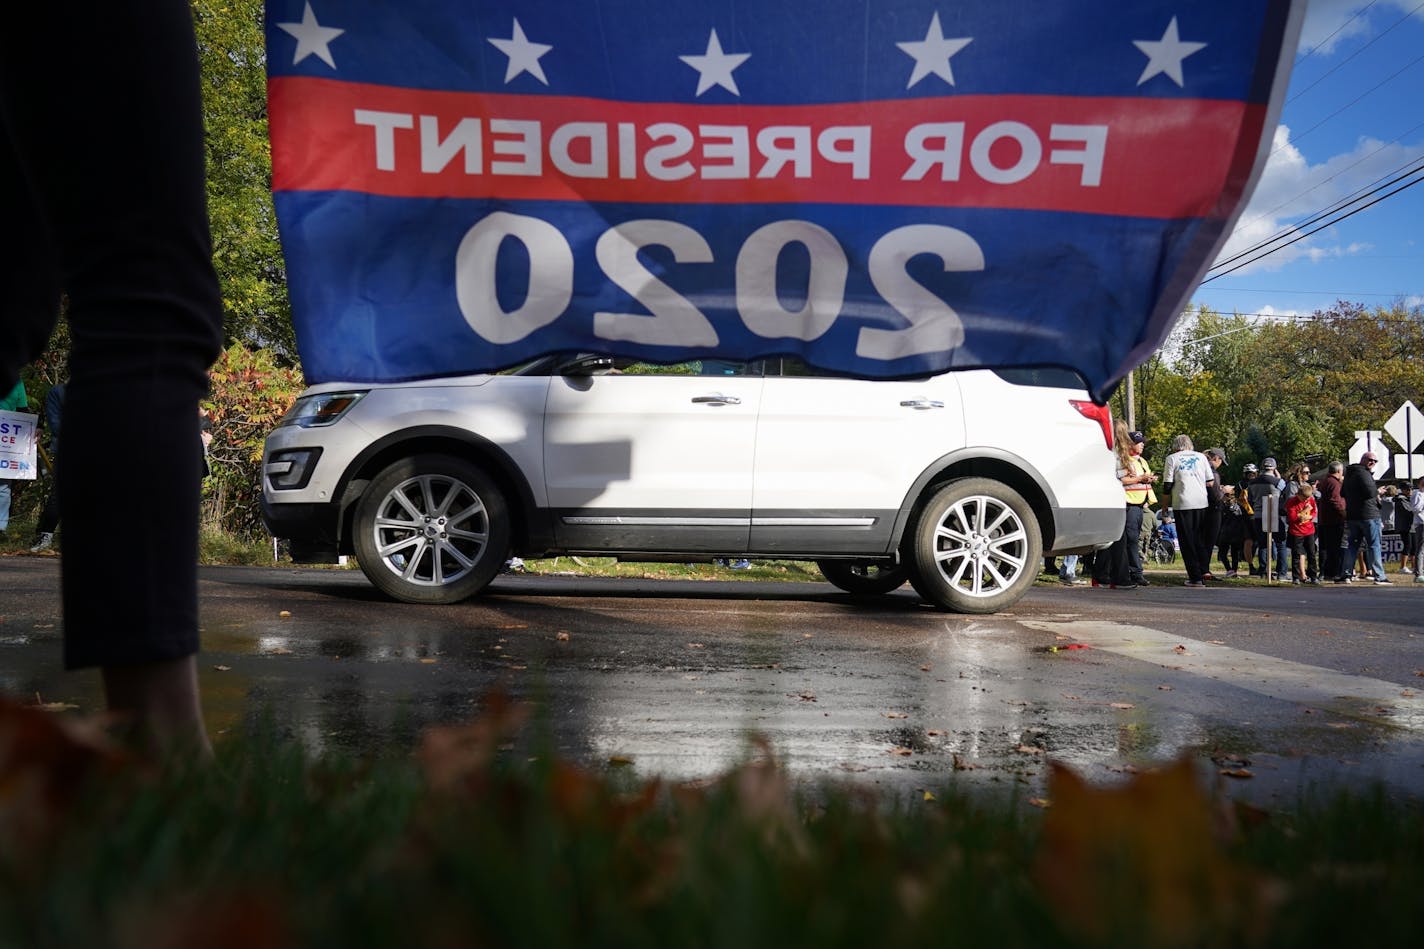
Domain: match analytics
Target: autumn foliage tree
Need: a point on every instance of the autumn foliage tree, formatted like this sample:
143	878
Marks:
250	393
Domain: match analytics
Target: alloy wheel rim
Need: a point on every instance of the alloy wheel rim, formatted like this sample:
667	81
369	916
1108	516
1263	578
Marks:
980	546
431	530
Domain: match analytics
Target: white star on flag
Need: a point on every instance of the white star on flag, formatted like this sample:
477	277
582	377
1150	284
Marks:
312	38
714	67
932	54
523	55
1166	55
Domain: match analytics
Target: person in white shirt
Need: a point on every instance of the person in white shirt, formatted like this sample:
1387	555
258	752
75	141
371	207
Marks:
1185	478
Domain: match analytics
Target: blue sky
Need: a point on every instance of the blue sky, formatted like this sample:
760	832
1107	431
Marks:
1353	119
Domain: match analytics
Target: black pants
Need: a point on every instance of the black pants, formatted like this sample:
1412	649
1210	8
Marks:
1330	537
1230	552
102	188
1190	538
1110	566
1303	547
1211	530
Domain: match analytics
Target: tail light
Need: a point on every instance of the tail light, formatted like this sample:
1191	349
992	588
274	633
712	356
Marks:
1098	413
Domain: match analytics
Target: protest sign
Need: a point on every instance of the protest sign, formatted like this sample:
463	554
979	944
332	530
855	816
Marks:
880	187
18	448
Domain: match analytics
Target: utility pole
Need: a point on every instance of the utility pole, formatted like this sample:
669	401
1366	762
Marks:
1131	401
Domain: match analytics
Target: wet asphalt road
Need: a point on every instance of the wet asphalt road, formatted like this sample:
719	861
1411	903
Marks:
1302	688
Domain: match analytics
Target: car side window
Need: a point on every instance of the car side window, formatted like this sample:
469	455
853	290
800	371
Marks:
695	367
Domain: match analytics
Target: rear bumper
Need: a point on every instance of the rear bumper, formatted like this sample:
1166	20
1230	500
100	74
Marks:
1084	529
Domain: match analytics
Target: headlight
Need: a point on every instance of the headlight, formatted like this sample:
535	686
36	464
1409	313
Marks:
313	411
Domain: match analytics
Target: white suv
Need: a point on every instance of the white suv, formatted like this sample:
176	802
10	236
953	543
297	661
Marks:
957	483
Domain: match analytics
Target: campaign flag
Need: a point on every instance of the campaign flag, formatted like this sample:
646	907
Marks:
880	187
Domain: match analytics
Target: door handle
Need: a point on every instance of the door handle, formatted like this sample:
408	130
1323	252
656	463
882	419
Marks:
716	400
922	404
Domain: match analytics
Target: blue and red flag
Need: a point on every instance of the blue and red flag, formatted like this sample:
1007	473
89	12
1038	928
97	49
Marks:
881	187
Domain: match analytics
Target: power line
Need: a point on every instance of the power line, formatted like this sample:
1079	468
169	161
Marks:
1357	52
1319	216
1318	229
1390	78
1358	14
1363	158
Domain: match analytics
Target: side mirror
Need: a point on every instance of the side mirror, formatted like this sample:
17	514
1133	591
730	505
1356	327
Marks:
587	366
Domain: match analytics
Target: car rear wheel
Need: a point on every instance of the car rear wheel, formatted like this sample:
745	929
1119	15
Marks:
976	547
431	529
865	577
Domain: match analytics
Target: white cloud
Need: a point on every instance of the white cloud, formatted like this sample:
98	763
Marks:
1292	191
1324	17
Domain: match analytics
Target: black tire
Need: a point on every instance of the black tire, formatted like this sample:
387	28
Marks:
976	547
865	577
431	529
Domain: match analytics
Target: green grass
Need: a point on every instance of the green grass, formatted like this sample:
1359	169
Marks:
471	845
609	567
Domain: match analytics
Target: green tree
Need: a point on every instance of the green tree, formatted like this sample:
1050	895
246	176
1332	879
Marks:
246	252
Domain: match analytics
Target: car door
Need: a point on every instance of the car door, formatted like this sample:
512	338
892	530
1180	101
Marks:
836	456
653	458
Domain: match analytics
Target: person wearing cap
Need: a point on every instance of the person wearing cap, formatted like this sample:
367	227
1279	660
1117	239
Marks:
1184	480
1330	505
1139	496
1362	516
1268	484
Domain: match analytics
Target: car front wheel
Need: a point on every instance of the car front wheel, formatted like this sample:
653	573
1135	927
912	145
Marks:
865	577
431	529
976	547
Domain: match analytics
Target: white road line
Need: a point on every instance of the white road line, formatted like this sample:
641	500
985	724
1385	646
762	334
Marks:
1375	699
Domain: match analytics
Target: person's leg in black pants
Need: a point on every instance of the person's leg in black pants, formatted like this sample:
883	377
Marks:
105	176
1189	537
1211	530
1132	541
1330	537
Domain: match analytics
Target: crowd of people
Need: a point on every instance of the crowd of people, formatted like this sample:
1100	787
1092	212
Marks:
1300	527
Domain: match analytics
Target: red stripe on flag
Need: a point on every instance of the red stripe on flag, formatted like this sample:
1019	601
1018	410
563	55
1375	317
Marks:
1159	158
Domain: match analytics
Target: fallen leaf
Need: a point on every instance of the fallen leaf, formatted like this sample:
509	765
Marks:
926	668
1164	688
1217	642
961	765
1071	698
934	733
562	636
894	714
1408	693
1075	646
1029	750
1323	632
1042	802
902	751
1340	724
1236	773
1122	705
805	635
806	695
427	661
620	761
1181	650
278	651
223	668
930	797
1419	673
284	614
696	646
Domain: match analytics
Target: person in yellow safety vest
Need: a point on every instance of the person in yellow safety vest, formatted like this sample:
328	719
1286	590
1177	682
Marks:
1140	496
